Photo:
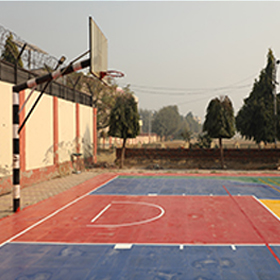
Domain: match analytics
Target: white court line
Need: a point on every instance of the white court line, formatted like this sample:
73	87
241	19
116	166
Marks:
100	213
51	215
101	186
269	210
145	244
132	223
123	246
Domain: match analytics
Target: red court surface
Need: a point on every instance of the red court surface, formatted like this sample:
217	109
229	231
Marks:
159	220
34	214
76	217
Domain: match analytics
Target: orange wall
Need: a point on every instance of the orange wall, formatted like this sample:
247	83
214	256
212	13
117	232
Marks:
48	139
66	129
5	129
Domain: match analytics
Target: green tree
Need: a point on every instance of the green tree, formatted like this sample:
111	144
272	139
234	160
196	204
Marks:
193	123
186	134
204	141
167	121
124	119
220	122
255	120
11	51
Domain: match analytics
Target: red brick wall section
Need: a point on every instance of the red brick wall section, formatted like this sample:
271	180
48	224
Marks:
264	155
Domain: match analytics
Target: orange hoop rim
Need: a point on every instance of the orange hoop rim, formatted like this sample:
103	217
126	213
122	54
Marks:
112	73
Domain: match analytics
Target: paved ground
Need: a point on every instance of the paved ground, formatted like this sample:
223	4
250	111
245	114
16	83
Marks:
38	192
41	191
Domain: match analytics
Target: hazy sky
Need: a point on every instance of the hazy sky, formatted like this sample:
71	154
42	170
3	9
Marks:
173	53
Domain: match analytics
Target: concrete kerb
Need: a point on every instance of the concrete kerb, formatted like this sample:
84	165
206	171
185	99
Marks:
41	191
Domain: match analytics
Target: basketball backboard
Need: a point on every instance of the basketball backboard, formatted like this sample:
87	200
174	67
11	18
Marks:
98	46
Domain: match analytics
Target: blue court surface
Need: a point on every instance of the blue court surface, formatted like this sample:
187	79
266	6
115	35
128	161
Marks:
28	256
125	185
64	261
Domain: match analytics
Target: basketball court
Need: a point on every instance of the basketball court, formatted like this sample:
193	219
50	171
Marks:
149	227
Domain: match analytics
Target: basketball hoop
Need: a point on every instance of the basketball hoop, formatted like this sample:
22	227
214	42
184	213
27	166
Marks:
111	73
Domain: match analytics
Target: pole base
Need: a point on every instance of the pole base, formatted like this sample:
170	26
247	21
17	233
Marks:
16	205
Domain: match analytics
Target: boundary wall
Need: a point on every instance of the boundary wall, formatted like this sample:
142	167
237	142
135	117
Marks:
203	158
56	129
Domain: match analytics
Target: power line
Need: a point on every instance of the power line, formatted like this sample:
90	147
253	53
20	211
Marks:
188	91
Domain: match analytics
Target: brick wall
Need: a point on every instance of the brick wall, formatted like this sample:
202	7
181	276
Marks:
253	154
204	158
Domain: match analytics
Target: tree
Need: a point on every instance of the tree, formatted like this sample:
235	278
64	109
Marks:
193	123
186	134
11	51
220	122
124	119
203	141
167	121
255	120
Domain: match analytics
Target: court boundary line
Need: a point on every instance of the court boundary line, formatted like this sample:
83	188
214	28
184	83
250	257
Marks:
147	244
101	186
266	207
52	214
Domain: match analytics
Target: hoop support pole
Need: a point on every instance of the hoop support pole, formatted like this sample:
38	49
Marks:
16	140
16	154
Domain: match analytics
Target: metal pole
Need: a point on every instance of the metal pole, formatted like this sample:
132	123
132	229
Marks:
33	107
16	147
16	153
16	141
39	97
